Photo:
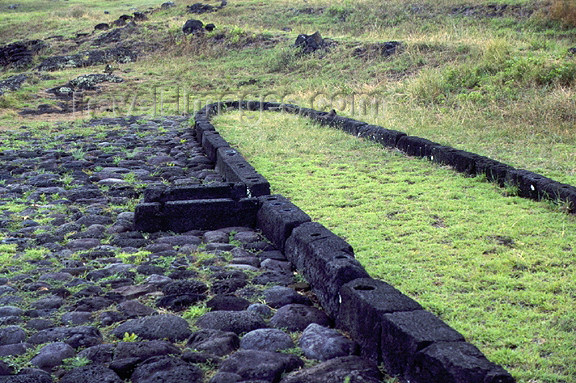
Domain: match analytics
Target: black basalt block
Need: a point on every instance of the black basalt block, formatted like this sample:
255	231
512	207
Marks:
460	160
277	218
182	216
384	137
455	362
211	142
530	184
234	168
148	217
312	237
559	192
493	170
201	127
215	190
310	113
416	146
326	261
363	302
348	125
406	333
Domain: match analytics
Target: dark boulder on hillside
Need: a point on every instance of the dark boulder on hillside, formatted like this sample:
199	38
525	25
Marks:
384	49
572	51
310	43
90	58
102	27
12	83
200	8
140	16
21	53
210	27
193	26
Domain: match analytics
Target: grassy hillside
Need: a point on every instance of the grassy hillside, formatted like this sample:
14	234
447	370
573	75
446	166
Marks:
495	77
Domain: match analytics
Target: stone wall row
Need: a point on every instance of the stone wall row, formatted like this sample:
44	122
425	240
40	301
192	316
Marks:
529	184
390	327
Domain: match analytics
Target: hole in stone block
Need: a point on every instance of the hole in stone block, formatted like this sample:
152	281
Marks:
287	210
364	288
315	234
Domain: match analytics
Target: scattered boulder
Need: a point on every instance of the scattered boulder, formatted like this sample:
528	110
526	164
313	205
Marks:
572	51
140	16
167	5
322	343
384	49
118	34
102	27
200	8
89	81
310	43
210	27
193	26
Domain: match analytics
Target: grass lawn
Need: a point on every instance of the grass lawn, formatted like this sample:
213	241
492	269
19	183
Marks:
497	268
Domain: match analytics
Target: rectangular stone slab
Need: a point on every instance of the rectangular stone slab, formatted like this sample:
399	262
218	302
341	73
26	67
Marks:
406	333
455	362
363	303
234	168
277	218
182	216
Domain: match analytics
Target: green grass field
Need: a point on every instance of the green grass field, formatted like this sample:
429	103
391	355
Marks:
473	74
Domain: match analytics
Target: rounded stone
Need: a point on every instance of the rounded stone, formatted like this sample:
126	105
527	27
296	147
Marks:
296	317
322	343
234	321
166	369
52	355
266	339
12	335
164	326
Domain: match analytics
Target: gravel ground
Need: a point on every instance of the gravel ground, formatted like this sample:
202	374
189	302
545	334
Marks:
84	297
